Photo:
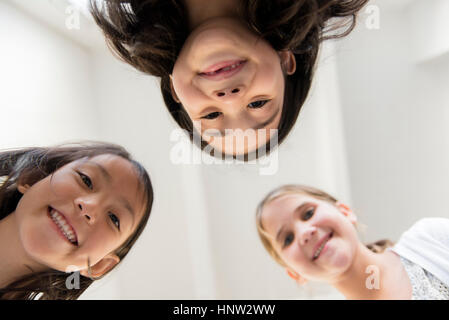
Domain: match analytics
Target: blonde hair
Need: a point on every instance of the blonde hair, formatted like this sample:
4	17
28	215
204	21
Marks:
377	247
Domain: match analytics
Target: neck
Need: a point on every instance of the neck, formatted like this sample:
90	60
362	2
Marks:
15	262
374	276
200	10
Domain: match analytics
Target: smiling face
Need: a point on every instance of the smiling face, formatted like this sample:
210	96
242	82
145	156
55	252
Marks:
313	237
226	77
87	208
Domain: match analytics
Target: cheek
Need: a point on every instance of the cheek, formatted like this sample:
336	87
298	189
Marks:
36	237
268	61
64	184
343	254
344	246
101	242
191	97
295	258
44	245
269	80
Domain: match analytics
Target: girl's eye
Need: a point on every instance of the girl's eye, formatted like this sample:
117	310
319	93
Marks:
212	115
288	240
308	214
115	220
257	104
87	181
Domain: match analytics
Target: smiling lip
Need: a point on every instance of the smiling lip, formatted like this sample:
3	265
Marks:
321	245
223	70
62	226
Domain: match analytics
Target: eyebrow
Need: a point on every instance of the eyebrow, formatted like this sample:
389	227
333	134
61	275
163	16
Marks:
102	169
108	178
298	209
257	127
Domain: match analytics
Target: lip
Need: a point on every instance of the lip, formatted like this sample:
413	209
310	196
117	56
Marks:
58	230
220	75
326	239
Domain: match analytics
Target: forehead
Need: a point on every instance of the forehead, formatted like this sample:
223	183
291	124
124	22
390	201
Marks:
114	168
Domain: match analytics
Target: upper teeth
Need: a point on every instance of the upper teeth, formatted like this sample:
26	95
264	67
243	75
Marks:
225	68
317	253
63	225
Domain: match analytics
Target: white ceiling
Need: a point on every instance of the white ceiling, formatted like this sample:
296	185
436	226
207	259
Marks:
54	13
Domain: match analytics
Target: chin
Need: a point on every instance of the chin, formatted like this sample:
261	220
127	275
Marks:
342	261
220	35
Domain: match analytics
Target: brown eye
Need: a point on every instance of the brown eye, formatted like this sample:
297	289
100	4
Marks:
115	220
86	180
212	115
308	214
257	104
288	240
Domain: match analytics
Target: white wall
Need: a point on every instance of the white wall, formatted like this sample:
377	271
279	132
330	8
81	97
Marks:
36	60
429	23
395	111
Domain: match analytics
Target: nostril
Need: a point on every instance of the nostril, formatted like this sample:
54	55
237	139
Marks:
87	217
235	90
79	206
220	94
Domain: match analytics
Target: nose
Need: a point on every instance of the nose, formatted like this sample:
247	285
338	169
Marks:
86	207
307	234
229	93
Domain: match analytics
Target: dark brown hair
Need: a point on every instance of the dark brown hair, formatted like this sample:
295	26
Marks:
377	247
28	166
149	34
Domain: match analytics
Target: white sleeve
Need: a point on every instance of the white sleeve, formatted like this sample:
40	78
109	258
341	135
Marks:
426	243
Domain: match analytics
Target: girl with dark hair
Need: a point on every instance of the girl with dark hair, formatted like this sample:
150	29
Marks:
312	235
77	208
234	72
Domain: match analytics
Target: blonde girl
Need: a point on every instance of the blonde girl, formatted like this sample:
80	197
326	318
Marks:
313	236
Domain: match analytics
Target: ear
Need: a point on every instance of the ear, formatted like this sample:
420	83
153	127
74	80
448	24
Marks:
23	188
172	89
295	276
288	62
102	266
346	210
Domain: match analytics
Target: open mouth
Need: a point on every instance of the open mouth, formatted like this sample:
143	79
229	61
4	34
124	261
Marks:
223	70
63	225
321	247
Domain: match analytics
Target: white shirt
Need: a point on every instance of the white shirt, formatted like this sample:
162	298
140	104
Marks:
426	244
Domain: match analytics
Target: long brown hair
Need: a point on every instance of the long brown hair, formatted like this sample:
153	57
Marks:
377	247
33	164
149	34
